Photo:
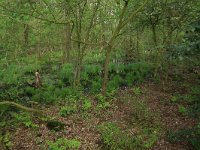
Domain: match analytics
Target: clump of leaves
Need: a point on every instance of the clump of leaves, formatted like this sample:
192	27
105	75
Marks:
25	119
6	140
87	104
174	99
102	103
182	109
137	90
114	139
68	110
63	144
191	135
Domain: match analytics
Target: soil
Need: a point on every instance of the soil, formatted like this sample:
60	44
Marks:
83	127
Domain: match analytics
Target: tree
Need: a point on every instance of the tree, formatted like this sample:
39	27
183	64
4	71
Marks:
121	24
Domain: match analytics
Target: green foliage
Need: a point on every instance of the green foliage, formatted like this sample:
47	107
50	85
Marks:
137	90
50	94
191	135
92	70
114	139
193	100
25	119
66	74
87	104
146	121
102	103
68	110
174	99
140	112
6	139
12	93
115	82
11	74
182	109
137	72
96	86
63	144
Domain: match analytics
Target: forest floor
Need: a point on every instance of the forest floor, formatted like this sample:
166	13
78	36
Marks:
82	126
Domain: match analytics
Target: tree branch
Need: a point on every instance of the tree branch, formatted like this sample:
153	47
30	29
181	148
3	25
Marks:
133	14
21	107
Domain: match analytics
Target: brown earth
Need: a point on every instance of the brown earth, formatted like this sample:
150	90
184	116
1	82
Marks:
83	127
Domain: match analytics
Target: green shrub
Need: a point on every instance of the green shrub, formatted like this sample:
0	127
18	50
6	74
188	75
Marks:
68	110
95	87
114	139
193	100
66	73
92	70
137	90
101	102
6	140
29	91
191	135
87	104
63	144
11	75
25	119
182	109
115	83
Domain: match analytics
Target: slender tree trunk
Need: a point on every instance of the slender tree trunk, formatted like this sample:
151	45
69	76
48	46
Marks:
82	52
153	28
137	44
66	52
78	33
122	23
106	67
26	35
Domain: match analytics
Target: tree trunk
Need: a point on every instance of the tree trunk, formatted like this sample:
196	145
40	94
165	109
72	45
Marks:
66	52
82	51
26	35
122	23
106	67
154	34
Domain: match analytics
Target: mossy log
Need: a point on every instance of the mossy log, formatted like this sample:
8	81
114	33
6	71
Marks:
19	106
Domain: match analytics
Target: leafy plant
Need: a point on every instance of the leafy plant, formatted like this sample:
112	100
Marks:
174	99
191	135
87	104
25	119
68	110
182	109
114	139
66	73
137	90
63	144
6	139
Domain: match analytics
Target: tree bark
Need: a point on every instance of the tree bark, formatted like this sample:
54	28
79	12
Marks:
153	27
82	52
66	52
26	35
122	23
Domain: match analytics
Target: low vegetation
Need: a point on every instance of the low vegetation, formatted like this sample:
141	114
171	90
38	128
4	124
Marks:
97	74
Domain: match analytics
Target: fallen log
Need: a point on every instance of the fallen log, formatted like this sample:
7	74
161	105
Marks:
19	106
